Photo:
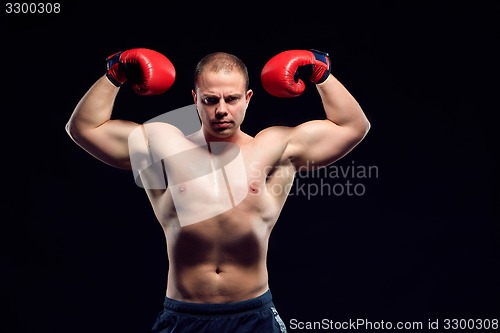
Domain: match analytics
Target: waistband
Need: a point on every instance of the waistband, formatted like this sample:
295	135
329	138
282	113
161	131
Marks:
218	308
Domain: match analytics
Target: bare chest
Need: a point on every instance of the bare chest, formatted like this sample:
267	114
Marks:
213	181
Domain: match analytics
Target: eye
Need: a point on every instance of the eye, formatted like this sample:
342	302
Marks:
210	100
231	99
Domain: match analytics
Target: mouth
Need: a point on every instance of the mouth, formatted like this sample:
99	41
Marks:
222	124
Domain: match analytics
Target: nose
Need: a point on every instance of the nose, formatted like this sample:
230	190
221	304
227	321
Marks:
221	110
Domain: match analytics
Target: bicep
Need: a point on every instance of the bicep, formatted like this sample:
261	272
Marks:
108	142
319	143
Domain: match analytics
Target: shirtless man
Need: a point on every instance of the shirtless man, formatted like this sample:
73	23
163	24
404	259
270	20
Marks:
214	190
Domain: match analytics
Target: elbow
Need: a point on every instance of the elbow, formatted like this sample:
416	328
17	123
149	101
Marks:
363	128
72	130
367	127
69	129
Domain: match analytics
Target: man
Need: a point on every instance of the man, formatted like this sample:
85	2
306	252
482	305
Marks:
214	191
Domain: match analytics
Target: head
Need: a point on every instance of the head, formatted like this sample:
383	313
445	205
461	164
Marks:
221	94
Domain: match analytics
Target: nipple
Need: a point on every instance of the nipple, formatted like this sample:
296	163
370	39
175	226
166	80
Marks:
254	189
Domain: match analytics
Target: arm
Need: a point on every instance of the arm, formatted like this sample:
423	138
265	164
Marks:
91	127
317	142
90	124
322	142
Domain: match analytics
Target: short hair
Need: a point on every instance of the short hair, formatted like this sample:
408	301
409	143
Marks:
221	61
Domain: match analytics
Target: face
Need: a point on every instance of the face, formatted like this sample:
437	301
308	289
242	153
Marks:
221	101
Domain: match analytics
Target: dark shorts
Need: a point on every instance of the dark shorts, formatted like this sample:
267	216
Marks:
250	316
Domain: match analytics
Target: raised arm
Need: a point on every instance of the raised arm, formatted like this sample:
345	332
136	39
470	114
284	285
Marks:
322	142
316	142
91	127
90	124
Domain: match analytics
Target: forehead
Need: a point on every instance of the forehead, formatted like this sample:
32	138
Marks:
221	81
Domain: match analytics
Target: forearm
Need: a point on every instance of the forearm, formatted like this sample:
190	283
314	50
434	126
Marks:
341	107
94	108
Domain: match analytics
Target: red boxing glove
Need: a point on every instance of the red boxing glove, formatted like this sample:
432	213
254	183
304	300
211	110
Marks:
285	73
149	72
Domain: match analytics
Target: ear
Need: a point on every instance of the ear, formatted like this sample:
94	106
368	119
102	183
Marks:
249	95
193	93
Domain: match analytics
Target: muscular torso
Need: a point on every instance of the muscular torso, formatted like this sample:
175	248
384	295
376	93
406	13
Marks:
217	204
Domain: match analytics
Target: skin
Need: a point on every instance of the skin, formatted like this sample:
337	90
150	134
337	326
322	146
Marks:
221	258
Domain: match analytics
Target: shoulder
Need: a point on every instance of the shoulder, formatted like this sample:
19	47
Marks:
154	132
160	127
274	134
270	143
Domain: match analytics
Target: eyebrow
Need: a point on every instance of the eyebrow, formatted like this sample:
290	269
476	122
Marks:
217	96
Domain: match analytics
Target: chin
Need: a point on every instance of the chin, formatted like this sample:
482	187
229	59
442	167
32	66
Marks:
223	134
219	133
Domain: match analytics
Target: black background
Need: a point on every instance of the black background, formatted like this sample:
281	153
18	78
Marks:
81	250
